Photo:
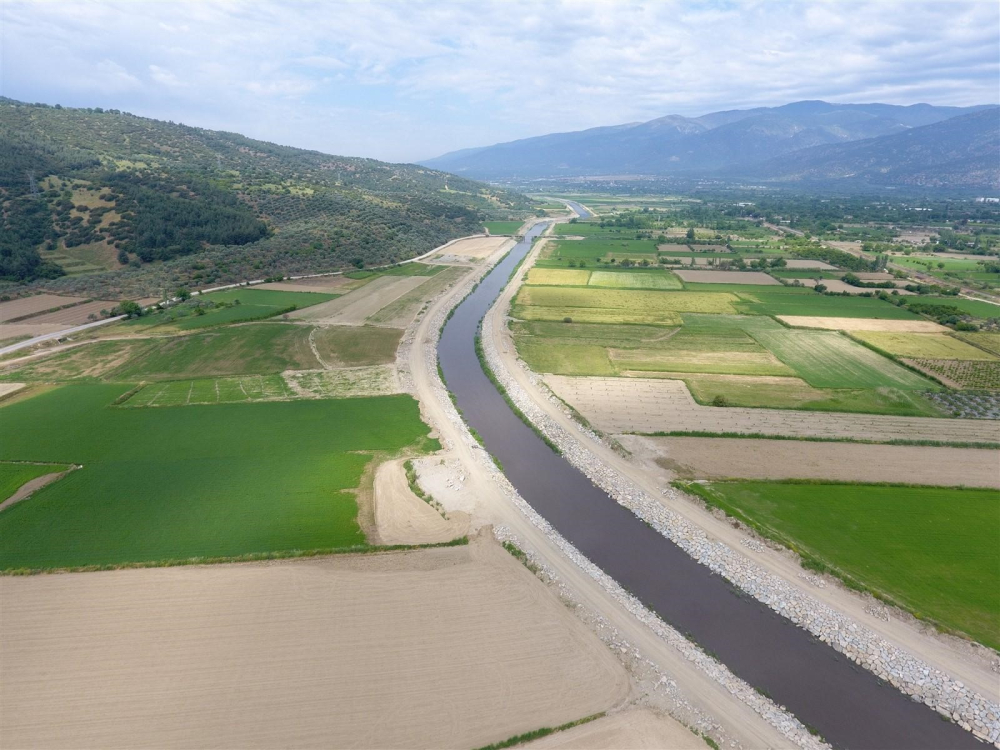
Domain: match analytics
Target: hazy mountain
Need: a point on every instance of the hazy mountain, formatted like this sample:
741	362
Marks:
109	200
959	152
717	141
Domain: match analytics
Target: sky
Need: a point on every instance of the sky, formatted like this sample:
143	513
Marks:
406	80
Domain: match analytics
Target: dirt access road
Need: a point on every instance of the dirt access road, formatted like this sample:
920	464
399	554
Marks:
970	664
492	506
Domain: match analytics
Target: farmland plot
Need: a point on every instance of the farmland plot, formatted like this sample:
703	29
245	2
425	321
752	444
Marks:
963	374
922	345
829	360
377	380
634	280
557	277
640	302
212	391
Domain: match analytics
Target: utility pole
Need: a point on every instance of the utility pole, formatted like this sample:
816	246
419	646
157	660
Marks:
31	182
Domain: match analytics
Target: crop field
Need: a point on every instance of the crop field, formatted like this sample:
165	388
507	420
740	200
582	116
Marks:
964	374
403	269
39	303
934	550
922	345
555	356
830	360
773	302
233	390
14	475
635	280
642	302
193	481
235	305
399	313
557	277
913	325
795	393
756	278
988	341
560	252
503	227
356	346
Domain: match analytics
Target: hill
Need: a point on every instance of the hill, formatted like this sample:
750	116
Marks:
102	200
958	152
717	142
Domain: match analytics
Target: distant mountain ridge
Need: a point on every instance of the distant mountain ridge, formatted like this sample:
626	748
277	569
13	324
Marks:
729	142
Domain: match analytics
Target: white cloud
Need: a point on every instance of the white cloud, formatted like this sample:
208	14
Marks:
403	80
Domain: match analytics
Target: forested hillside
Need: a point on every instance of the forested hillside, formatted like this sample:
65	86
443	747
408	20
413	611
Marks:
103	201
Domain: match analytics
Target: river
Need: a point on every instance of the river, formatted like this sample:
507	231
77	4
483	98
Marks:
845	703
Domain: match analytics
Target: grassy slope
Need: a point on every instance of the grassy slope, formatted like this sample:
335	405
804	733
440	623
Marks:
192	481
934	550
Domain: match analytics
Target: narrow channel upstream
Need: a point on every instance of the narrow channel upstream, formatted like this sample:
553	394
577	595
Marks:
845	703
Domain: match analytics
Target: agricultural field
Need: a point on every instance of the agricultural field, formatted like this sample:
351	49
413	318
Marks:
356	346
255	349
557	277
801	301
243	389
348	382
934	550
974	307
230	306
640	302
166	483
504	227
962	373
922	345
988	341
634	280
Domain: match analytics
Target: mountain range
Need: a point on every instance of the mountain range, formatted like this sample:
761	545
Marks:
805	142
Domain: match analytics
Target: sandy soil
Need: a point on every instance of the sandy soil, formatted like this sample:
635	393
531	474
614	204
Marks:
721	458
816	264
873	276
403	518
73	316
640	729
354	307
862	324
473	248
756	278
660	405
30	305
27	489
454	647
838	286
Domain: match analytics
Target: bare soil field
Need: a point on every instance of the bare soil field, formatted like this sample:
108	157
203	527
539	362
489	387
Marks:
73	316
452	647
403	518
31	305
17	330
6	388
473	248
874	276
840	287
639	729
813	264
727	458
334	284
356	306
346	382
728	277
619	405
862	324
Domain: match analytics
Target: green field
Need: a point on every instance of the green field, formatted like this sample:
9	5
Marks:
234	306
974	307
936	551
926	345
356	346
231	390
794	393
13	476
826	359
988	341
503	227
192	481
792	301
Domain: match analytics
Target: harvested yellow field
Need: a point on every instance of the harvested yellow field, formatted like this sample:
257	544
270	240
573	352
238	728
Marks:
73	316
862	324
649	405
335	284
472	248
557	277
453	647
610	316
725	362
19	330
355	307
757	278
726	458
922	345
639	729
